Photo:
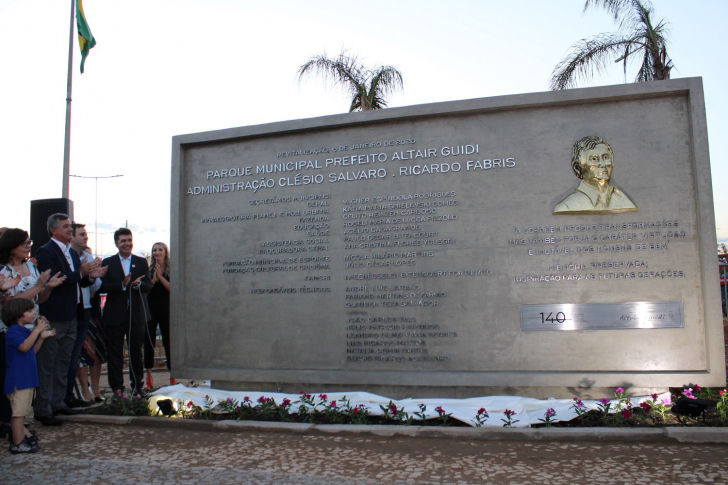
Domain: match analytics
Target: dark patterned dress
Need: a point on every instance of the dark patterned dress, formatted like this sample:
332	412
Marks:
93	351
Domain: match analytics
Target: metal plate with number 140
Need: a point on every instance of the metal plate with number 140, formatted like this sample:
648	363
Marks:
602	316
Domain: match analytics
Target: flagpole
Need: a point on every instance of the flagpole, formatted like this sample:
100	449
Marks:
67	144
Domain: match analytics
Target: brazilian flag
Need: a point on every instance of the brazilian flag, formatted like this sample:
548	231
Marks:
85	38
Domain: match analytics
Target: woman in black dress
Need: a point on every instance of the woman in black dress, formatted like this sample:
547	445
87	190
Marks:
159	309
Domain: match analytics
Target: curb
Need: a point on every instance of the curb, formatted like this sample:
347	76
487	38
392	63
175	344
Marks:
644	435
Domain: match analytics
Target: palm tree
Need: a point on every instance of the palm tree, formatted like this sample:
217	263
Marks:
638	36
367	87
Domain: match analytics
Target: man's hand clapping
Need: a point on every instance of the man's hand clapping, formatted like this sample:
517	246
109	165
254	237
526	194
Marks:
87	268
99	272
126	281
56	280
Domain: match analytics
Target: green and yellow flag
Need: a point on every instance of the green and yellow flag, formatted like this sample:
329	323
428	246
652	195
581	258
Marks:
85	38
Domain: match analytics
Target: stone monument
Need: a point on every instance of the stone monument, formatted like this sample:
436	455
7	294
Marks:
447	250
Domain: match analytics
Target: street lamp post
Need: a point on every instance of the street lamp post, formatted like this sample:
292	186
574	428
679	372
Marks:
96	205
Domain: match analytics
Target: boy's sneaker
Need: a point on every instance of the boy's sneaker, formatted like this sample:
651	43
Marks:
23	447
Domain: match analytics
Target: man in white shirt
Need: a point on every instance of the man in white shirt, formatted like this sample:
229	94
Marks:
79	243
126	311
62	308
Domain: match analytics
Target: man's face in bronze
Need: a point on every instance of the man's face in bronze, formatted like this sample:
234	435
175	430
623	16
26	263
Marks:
596	165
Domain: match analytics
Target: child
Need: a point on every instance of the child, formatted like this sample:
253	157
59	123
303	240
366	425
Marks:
21	377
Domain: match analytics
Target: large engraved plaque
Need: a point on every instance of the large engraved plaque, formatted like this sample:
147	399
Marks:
394	249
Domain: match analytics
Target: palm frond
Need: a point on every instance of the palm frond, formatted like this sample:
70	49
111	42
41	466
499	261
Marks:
343	70
625	13
367	87
386	79
590	56
646	71
637	36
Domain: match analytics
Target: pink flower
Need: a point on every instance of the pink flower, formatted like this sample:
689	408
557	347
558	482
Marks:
439	410
393	409
722	392
229	400
509	413
550	412
263	399
654	397
355	410
620	390
333	404
247	399
482	411
189	404
604	400
696	388
323	397
688	393
626	413
667	401
646	406
285	402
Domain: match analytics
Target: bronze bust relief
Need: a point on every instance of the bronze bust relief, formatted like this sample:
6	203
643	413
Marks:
593	161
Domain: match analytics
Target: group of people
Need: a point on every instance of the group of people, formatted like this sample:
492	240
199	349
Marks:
54	332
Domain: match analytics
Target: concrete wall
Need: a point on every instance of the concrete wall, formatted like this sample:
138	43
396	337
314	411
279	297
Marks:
394	251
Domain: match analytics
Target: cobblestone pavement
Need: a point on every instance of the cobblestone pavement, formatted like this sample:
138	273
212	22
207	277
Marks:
78	453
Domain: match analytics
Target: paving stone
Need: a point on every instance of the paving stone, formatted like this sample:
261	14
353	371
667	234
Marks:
121	454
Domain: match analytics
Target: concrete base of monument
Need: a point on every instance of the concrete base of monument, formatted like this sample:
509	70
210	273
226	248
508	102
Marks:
564	435
454	392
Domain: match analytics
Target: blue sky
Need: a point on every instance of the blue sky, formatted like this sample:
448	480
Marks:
184	66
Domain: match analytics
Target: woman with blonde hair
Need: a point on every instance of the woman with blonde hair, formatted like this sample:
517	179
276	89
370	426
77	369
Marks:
159	309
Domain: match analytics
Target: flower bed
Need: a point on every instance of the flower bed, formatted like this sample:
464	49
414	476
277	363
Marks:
622	411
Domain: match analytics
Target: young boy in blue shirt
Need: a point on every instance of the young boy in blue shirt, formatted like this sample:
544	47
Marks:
21	377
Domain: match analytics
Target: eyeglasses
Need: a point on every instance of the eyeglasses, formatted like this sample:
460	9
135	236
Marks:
29	242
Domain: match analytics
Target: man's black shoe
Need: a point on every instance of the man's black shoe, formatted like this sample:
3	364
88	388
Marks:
49	420
75	402
67	411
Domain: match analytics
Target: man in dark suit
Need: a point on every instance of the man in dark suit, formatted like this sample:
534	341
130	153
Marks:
126	311
62	310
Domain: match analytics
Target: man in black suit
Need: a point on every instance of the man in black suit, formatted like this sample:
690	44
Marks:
62	310
126	311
